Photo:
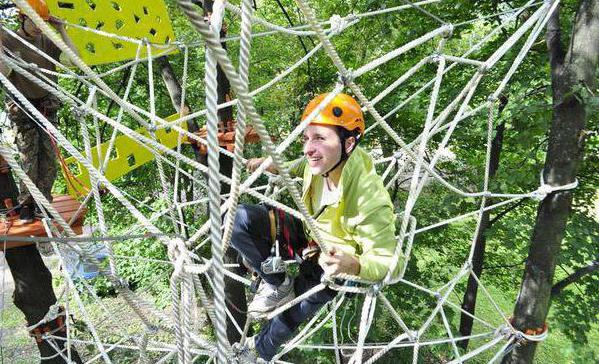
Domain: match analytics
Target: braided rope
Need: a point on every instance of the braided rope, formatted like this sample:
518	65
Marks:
432	126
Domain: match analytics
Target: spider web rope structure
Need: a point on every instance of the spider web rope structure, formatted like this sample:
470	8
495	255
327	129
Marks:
180	335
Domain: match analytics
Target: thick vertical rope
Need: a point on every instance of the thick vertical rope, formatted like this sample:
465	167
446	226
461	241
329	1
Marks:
217	247
368	308
244	65
161	175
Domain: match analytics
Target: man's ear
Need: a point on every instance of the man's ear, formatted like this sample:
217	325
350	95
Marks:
350	144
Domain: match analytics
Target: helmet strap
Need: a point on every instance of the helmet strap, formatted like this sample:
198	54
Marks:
343	136
342	158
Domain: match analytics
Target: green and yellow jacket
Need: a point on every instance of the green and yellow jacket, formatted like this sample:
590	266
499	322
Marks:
361	220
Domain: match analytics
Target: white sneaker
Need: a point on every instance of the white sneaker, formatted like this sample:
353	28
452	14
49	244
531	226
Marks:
270	297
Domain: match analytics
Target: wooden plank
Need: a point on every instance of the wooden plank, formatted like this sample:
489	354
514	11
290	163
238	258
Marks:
66	207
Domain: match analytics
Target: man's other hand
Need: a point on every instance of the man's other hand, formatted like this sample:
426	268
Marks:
254	163
336	262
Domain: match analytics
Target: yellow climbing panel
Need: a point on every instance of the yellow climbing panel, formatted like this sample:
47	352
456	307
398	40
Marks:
137	19
126	156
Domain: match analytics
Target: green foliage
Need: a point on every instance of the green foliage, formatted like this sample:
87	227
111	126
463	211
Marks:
439	253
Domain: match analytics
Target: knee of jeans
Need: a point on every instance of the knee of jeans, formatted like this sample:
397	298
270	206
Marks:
244	216
242	222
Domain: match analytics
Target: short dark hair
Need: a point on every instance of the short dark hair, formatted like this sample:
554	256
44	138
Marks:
345	134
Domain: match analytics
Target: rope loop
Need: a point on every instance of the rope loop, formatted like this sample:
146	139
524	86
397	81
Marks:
546	189
536	334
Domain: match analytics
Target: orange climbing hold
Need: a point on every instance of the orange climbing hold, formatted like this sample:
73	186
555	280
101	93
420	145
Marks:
226	137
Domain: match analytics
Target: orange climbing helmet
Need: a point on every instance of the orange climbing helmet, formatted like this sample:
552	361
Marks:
342	111
40	7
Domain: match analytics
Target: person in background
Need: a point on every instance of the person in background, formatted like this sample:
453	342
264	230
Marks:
38	156
33	293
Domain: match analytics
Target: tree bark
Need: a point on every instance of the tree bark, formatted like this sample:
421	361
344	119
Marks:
478	258
571	73
175	90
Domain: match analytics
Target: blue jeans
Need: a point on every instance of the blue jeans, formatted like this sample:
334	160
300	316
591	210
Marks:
251	238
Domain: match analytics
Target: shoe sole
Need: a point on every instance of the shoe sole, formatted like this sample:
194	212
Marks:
263	314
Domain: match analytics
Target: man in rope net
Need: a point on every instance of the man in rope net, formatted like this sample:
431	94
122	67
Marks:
353	213
34	294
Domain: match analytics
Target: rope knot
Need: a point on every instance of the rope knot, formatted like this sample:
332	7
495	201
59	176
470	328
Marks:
448	31
274	180
347	78
177	254
376	288
492	98
338	24
546	189
121	283
435	57
78	112
484	68
53	312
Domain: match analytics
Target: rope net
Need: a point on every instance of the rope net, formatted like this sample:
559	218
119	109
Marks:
189	324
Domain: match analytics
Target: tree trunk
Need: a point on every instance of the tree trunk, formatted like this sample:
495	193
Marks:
234	291
175	91
478	258
572	74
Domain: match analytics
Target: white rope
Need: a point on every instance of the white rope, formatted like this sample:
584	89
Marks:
214	187
184	281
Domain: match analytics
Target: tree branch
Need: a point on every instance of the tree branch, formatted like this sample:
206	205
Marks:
298	37
577	275
506	211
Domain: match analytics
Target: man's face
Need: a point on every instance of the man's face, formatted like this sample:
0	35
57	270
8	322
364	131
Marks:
30	27
321	148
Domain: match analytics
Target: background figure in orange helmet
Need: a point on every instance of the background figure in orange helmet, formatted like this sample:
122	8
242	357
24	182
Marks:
33	293
353	214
